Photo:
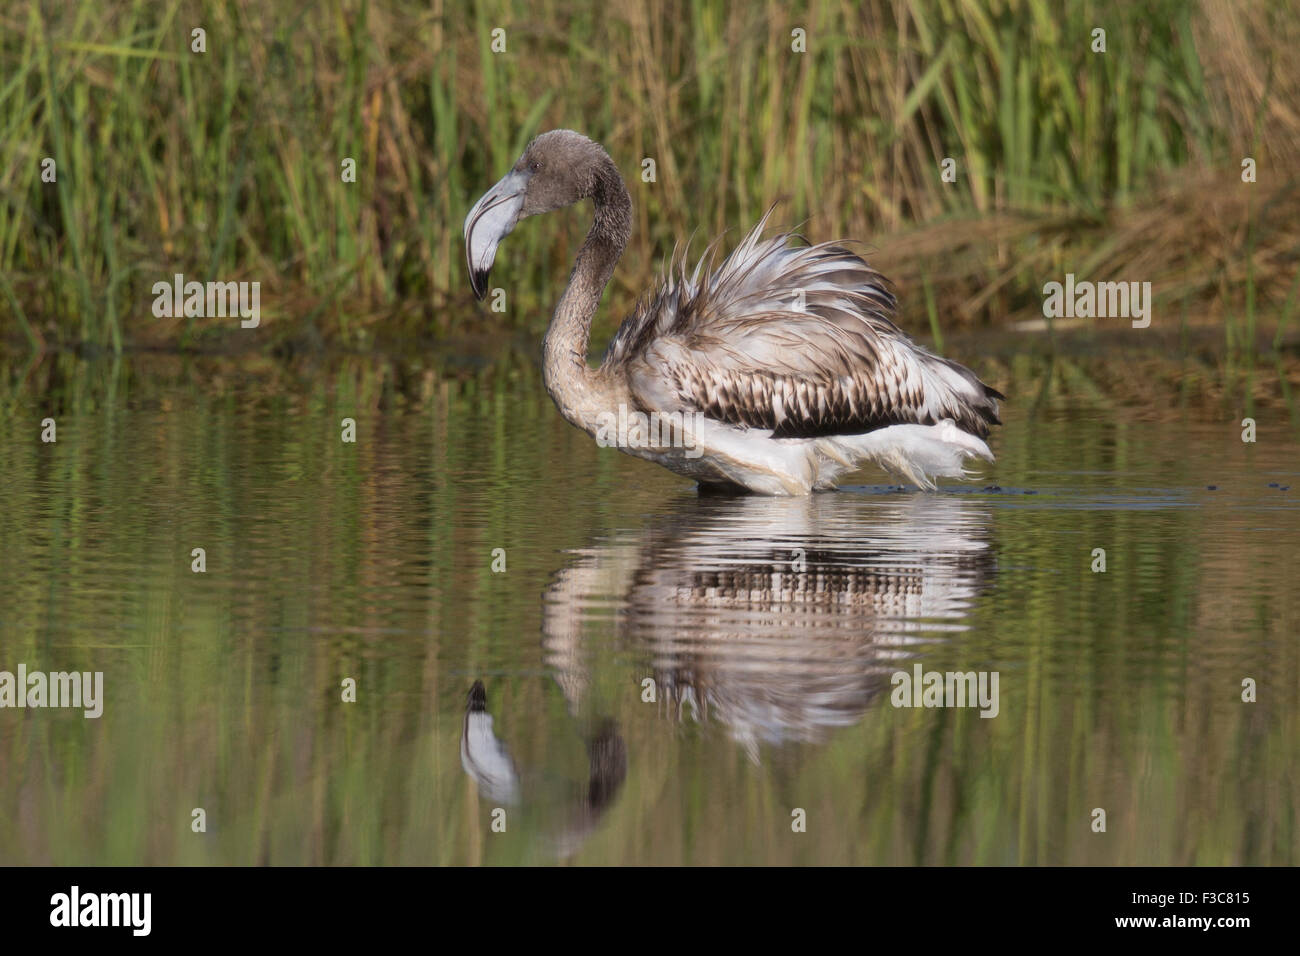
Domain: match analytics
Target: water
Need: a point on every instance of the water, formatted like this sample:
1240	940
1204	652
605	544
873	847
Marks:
767	632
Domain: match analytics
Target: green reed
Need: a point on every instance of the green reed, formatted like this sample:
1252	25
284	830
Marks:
227	164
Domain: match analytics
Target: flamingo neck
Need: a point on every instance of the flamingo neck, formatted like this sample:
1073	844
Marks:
580	392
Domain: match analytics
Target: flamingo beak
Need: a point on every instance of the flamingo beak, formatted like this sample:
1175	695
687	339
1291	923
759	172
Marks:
490	221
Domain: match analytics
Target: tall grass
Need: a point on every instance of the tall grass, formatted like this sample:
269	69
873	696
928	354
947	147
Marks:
227	164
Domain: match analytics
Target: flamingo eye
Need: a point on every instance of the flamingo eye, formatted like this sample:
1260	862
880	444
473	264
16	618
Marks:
534	166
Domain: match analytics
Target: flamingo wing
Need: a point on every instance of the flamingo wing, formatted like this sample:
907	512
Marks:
798	339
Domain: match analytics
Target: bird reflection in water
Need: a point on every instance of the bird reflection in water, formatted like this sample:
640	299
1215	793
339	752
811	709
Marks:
779	619
488	762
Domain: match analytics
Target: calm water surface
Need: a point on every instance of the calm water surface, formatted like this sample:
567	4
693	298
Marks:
666	679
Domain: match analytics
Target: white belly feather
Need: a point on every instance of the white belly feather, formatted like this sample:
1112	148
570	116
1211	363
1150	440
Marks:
751	458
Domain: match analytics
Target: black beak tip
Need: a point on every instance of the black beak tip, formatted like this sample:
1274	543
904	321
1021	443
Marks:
476	700
478	282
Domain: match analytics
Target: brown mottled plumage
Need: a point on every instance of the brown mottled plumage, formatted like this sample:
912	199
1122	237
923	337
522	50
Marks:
836	365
